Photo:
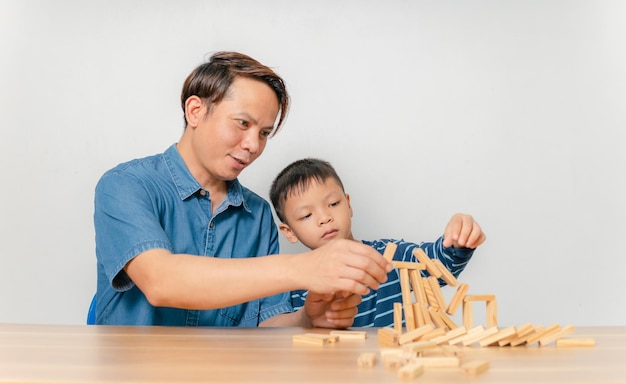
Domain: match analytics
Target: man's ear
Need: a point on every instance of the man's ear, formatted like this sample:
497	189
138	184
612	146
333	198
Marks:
291	237
194	111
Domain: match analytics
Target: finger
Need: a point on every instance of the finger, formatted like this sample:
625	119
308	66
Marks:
451	233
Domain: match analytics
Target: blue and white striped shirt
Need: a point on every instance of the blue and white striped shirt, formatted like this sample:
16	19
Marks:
376	308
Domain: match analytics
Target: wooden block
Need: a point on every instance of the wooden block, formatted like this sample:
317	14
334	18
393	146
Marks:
457	299
492	313
521	340
576	342
437	320
448	321
366	359
434	286
390	250
410	265
388	337
556	335
419	346
468	316
419	316
471	339
460	331
473	331
349	335
502	334
418	286
409	318
437	332
414	334
426	314
479	298
423	258
314	339
520	331
431	300
446	275
393	363
451	350
475	367
397	317
410	371
539	335
438	362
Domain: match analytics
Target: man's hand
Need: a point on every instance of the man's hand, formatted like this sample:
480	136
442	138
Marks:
342	265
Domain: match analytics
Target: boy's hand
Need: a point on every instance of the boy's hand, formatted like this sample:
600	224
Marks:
331	310
463	231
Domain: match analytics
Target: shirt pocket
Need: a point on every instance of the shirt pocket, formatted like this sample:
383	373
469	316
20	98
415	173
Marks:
241	315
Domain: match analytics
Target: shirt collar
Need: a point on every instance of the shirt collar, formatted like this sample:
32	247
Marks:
187	185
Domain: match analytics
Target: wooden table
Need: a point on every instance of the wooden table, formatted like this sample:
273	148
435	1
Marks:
98	354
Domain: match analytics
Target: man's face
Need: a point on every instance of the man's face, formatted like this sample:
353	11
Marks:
318	215
235	131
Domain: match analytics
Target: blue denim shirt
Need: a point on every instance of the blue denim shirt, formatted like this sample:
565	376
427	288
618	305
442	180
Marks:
155	202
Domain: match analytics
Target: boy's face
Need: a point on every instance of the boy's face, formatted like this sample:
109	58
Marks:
318	215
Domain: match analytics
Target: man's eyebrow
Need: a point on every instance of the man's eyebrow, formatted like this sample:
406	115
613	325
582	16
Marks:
251	119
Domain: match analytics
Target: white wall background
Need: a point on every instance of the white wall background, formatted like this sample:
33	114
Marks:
513	111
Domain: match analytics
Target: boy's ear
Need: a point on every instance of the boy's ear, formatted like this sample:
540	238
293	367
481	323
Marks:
349	206
291	237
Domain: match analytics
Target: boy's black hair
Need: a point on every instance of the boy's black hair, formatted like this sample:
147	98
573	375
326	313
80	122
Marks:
296	177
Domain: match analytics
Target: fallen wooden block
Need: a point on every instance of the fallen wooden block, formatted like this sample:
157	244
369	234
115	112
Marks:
460	331
475	367
314	339
556	335
410	371
521	340
460	338
366	359
388	337
576	342
414	334
471	339
349	335
520	332
419	346
438	362
494	339
535	337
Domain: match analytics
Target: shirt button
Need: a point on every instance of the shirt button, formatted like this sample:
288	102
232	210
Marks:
202	192
211	224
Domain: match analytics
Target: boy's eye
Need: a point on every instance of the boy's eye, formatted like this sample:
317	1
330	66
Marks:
305	216
336	203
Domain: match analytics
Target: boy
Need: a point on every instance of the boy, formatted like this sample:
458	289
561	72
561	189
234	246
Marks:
310	201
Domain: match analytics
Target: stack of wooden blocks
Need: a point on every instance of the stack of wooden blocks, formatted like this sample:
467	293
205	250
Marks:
429	328
429	337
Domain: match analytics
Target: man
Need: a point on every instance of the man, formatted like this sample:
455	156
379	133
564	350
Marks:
178	237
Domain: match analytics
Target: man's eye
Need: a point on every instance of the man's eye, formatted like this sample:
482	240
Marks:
266	133
244	123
